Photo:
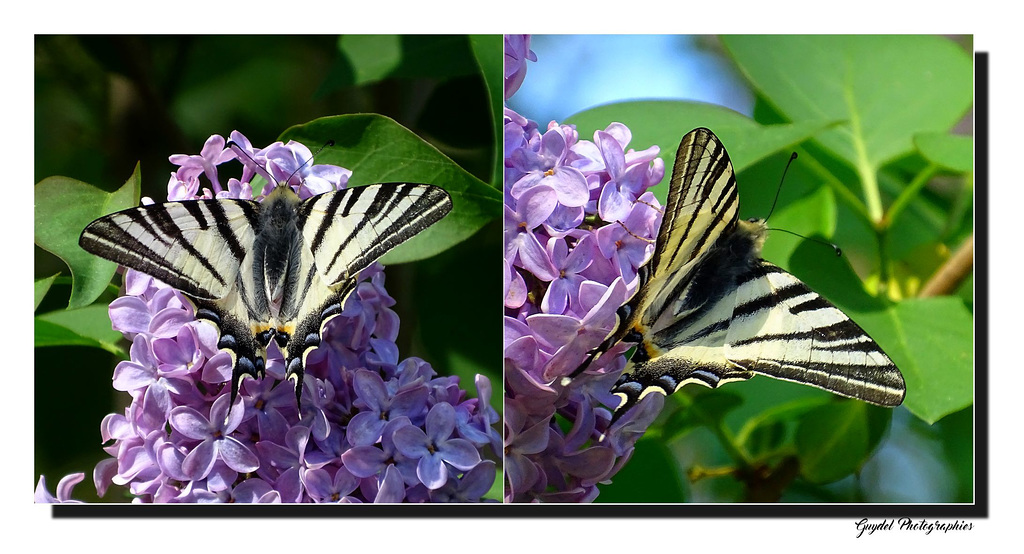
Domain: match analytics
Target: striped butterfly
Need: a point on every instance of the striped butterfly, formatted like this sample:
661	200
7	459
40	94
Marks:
272	271
709	310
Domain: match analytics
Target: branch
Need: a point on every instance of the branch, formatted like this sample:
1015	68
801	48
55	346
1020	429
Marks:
952	273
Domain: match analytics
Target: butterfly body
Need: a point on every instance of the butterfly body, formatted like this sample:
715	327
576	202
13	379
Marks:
271	272
709	310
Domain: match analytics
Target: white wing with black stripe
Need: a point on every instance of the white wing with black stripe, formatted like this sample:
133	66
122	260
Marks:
709	310
195	246
271	271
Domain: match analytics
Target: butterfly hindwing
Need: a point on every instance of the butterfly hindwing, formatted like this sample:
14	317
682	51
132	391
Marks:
783	329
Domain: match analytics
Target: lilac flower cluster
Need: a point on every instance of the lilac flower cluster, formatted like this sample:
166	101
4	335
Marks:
374	428
578	223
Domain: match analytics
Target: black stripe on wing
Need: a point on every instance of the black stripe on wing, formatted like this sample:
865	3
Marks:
110	241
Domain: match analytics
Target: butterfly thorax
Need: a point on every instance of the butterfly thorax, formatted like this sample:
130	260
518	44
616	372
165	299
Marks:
751	231
277	251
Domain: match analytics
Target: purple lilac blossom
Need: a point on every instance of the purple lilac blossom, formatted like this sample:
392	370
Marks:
64	487
180	441
517	51
579	222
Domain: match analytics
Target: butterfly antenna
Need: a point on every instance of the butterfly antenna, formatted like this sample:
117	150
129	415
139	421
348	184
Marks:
634	235
779	189
263	172
259	168
305	163
839	251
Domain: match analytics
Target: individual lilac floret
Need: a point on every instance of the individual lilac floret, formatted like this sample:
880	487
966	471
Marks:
435	448
64	487
215	436
180	441
379	406
570	263
550	165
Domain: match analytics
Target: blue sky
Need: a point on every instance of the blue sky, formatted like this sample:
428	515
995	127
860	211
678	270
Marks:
576	72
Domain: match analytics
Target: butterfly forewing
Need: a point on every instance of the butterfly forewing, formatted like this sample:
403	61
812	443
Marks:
349	229
701	205
195	246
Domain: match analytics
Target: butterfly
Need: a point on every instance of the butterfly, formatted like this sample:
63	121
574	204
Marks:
709	310
267	272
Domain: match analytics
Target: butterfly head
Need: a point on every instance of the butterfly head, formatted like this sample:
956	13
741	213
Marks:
752	232
264	170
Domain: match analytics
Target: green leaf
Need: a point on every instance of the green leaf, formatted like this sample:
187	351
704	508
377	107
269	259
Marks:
703	408
487	51
834	440
954	152
51	334
88	326
371	57
765	439
651	475
664	122
63	208
379	150
887	88
936	354
712	406
42	286
760	434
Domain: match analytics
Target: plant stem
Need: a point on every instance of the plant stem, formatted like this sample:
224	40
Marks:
908	194
865	169
952	273
732	448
